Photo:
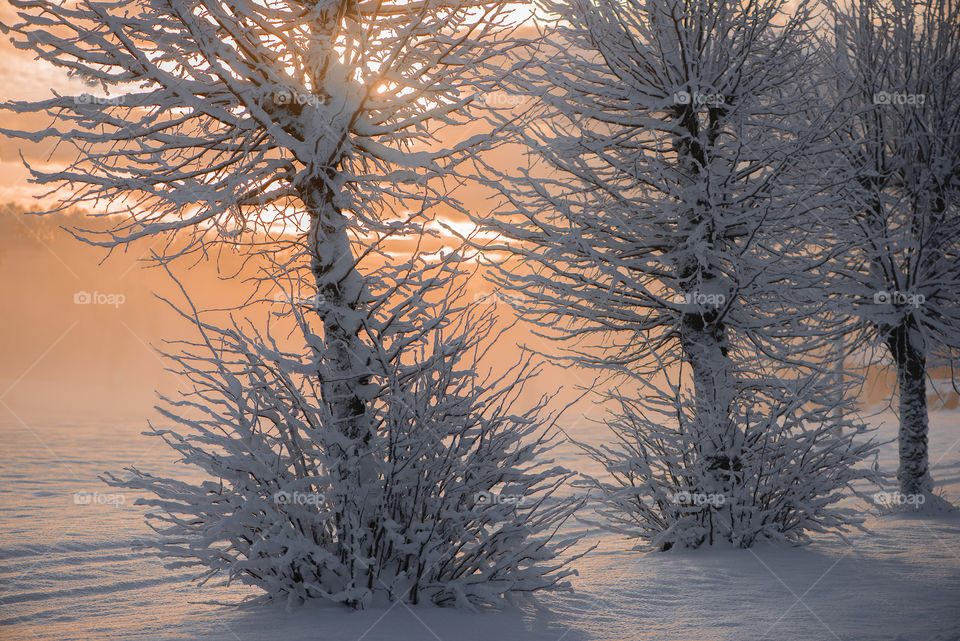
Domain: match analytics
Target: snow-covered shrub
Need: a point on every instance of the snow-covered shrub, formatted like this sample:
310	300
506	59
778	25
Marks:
447	499
779	477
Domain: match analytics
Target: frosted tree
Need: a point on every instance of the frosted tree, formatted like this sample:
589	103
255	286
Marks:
672	215
897	70
298	131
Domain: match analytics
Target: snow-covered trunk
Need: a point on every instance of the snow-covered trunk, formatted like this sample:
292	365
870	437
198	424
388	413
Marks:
913	472
704	350
344	372
345	364
703	341
718	450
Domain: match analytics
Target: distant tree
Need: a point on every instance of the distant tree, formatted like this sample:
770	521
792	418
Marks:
896	66
672	215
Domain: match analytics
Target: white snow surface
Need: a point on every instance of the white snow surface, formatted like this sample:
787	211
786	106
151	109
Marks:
67	571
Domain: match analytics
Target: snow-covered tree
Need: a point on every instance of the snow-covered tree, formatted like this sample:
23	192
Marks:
672	215
896	66
457	507
298	131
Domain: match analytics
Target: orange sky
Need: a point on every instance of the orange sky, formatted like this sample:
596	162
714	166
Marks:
88	352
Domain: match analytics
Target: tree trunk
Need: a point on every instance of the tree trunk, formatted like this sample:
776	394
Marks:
703	345
345	365
704	349
702	332
913	472
345	372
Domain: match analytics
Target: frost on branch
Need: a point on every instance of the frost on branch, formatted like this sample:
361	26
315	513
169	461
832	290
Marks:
227	115
448	499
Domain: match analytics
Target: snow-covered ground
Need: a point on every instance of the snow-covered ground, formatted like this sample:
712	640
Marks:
67	571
